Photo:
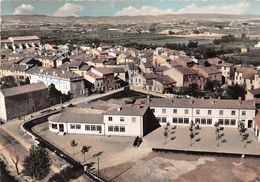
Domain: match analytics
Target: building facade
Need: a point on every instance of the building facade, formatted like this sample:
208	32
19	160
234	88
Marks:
206	112
22	100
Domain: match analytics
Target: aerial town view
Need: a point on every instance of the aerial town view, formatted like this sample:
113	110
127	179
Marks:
130	91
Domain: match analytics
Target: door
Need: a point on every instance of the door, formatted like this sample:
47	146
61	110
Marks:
250	123
61	127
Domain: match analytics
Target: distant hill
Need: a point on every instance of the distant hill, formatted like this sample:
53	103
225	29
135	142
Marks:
42	19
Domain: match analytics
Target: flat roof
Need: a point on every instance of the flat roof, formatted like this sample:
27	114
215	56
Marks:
23	89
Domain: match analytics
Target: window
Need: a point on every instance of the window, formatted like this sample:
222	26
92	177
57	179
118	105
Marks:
159	119
221	121
110	128
233	122
110	119
221	112
133	119
99	128
93	127
243	113
180	120
164	111
233	113
122	119
163	119
78	126
186	120
72	126
197	111
209	112
153	110
174	120
122	129
209	121
226	121
186	111
87	127
197	120
203	121
54	126
174	111
116	128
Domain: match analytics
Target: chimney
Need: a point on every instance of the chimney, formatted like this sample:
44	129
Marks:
119	108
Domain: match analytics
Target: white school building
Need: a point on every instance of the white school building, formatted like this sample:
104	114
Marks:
129	120
202	111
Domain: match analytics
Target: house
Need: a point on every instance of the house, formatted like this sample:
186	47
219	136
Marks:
205	112
128	120
256	125
64	81
101	78
209	74
15	70
22	100
132	70
253	94
163	84
144	81
244	75
146	67
183	76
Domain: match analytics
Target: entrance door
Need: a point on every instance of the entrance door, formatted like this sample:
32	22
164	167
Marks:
250	123
61	127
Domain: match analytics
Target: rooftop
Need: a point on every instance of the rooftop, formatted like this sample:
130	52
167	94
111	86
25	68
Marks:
7	92
21	38
127	110
199	103
78	115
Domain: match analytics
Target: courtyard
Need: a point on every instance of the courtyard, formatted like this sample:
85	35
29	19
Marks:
120	161
204	140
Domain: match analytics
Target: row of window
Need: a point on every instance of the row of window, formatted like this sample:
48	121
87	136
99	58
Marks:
202	121
186	111
122	119
87	127
227	121
116	128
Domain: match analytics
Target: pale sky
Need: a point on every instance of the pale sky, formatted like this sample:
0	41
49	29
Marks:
128	7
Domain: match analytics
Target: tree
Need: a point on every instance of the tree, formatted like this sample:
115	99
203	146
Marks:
235	92
84	150
8	82
165	133
37	164
73	144
191	138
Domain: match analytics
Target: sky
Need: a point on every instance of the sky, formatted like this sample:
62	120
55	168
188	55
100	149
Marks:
65	8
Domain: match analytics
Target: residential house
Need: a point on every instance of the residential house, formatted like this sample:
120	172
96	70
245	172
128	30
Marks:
244	75
183	76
